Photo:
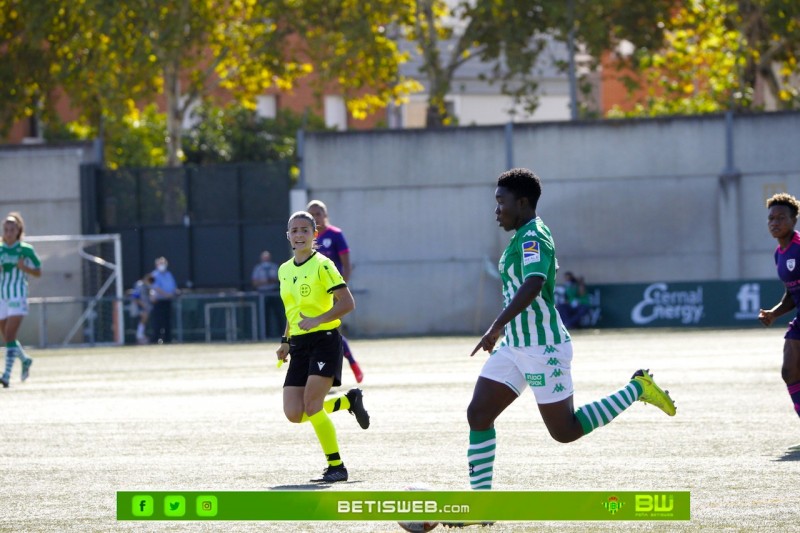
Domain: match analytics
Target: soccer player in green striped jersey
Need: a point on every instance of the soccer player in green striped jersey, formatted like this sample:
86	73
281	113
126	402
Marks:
315	297
536	350
18	260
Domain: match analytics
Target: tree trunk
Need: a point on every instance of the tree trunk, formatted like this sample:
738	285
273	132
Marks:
172	89
439	85
434	117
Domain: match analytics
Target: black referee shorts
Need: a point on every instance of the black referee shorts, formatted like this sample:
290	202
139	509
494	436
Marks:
315	354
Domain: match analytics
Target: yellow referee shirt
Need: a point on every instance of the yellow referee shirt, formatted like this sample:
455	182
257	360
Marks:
309	287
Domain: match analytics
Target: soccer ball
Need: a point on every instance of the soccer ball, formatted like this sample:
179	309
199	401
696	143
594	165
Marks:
418	527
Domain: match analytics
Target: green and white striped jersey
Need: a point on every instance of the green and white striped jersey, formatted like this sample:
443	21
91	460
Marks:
532	252
13	281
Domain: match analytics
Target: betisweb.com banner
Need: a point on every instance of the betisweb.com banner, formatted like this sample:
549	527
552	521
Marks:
405	506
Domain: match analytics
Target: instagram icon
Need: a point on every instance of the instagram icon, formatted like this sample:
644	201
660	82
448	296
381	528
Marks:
206	506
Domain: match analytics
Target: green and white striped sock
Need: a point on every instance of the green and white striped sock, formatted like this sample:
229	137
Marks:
21	353
481	458
598	414
11	356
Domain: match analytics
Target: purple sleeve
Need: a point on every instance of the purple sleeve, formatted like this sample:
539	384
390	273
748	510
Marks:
341	243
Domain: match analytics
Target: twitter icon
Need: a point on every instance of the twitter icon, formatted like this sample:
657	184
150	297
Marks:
174	505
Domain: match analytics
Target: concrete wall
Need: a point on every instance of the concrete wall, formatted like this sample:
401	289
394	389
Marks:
627	201
43	183
631	201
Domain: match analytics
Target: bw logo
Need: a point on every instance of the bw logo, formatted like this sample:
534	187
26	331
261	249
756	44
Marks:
660	503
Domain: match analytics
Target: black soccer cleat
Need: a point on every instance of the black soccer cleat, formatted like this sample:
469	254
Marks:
356	398
332	474
4	382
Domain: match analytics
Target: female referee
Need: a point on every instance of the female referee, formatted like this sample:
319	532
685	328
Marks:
17	262
315	297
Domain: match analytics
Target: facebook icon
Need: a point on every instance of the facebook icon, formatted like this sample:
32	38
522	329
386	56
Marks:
142	505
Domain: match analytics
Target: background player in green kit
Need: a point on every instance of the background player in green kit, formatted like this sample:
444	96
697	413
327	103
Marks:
536	350
17	261
315	297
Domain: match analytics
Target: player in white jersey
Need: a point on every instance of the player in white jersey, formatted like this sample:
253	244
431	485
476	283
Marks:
536	350
17	261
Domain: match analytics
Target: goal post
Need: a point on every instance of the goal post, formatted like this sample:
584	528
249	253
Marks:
79	299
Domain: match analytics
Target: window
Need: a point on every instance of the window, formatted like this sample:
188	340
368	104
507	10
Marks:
335	112
267	106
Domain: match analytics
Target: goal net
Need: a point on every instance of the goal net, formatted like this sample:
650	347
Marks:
78	300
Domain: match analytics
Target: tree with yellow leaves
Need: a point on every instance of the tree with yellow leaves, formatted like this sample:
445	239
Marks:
722	54
104	55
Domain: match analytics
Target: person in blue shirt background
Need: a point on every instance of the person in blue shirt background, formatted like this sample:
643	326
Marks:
265	280
162	292
141	306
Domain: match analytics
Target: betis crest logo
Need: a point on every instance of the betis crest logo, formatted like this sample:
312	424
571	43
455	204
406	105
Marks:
613	505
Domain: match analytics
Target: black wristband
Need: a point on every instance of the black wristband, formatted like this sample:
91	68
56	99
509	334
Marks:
284	340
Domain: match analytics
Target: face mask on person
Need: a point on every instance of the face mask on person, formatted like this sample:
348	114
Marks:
162	268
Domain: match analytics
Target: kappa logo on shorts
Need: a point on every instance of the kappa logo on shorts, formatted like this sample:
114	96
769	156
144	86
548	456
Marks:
553	362
550	349
557	373
320	365
535	380
558	388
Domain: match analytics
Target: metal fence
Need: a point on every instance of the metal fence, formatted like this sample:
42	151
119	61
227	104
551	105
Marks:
221	317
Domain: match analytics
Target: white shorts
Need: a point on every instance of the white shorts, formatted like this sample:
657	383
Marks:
13	307
547	370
